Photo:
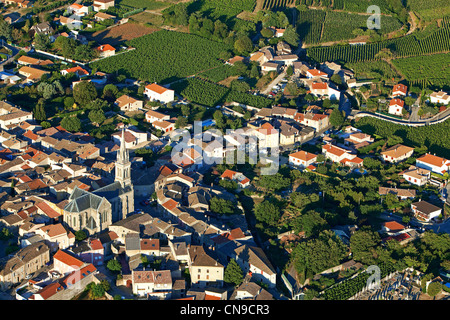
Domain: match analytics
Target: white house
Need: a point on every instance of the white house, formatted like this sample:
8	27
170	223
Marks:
397	153
314	73
433	163
440	97
102	4
396	107
302	158
152	283
152	116
127	103
337	154
240	178
323	89
399	90
155	92
417	176
425	211
78	10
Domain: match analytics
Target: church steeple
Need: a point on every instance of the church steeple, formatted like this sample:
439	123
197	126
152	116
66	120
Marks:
122	155
123	164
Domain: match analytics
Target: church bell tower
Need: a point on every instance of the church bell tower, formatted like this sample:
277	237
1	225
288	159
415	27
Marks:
123	164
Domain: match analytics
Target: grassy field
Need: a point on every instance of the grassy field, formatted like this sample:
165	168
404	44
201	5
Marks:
148	17
430	9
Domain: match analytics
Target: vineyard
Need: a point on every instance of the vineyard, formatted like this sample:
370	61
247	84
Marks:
375	70
164	56
211	94
144	4
424	71
406	46
309	25
277	4
435	137
348	288
340	25
350	5
221	9
218	74
317	26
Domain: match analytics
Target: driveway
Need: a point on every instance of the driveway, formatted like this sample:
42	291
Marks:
274	82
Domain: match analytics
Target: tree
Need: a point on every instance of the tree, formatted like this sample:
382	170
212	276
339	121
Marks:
434	288
181	14
267	212
5	31
42	42
362	245
222	206
80	235
181	122
254	71
233	273
336	79
114	266
336	118
267	32
243	45
291	36
230	185
39	110
311	223
84	92
96	290
318	254
274	182
219	119
225	55
97	116
45	124
240	86
110	92
185	110
72	124
69	102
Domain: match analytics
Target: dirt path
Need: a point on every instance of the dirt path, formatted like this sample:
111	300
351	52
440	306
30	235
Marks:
413	23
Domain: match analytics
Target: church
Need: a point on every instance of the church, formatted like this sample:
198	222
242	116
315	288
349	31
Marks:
94	211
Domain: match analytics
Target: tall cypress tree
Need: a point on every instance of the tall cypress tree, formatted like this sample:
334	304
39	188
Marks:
39	110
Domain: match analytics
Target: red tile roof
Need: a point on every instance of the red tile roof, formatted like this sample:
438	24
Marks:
105	47
319	86
397	102
51	213
433	160
228	174
78	275
303	155
67	259
96	244
170	204
156	88
50	290
400	87
394	226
